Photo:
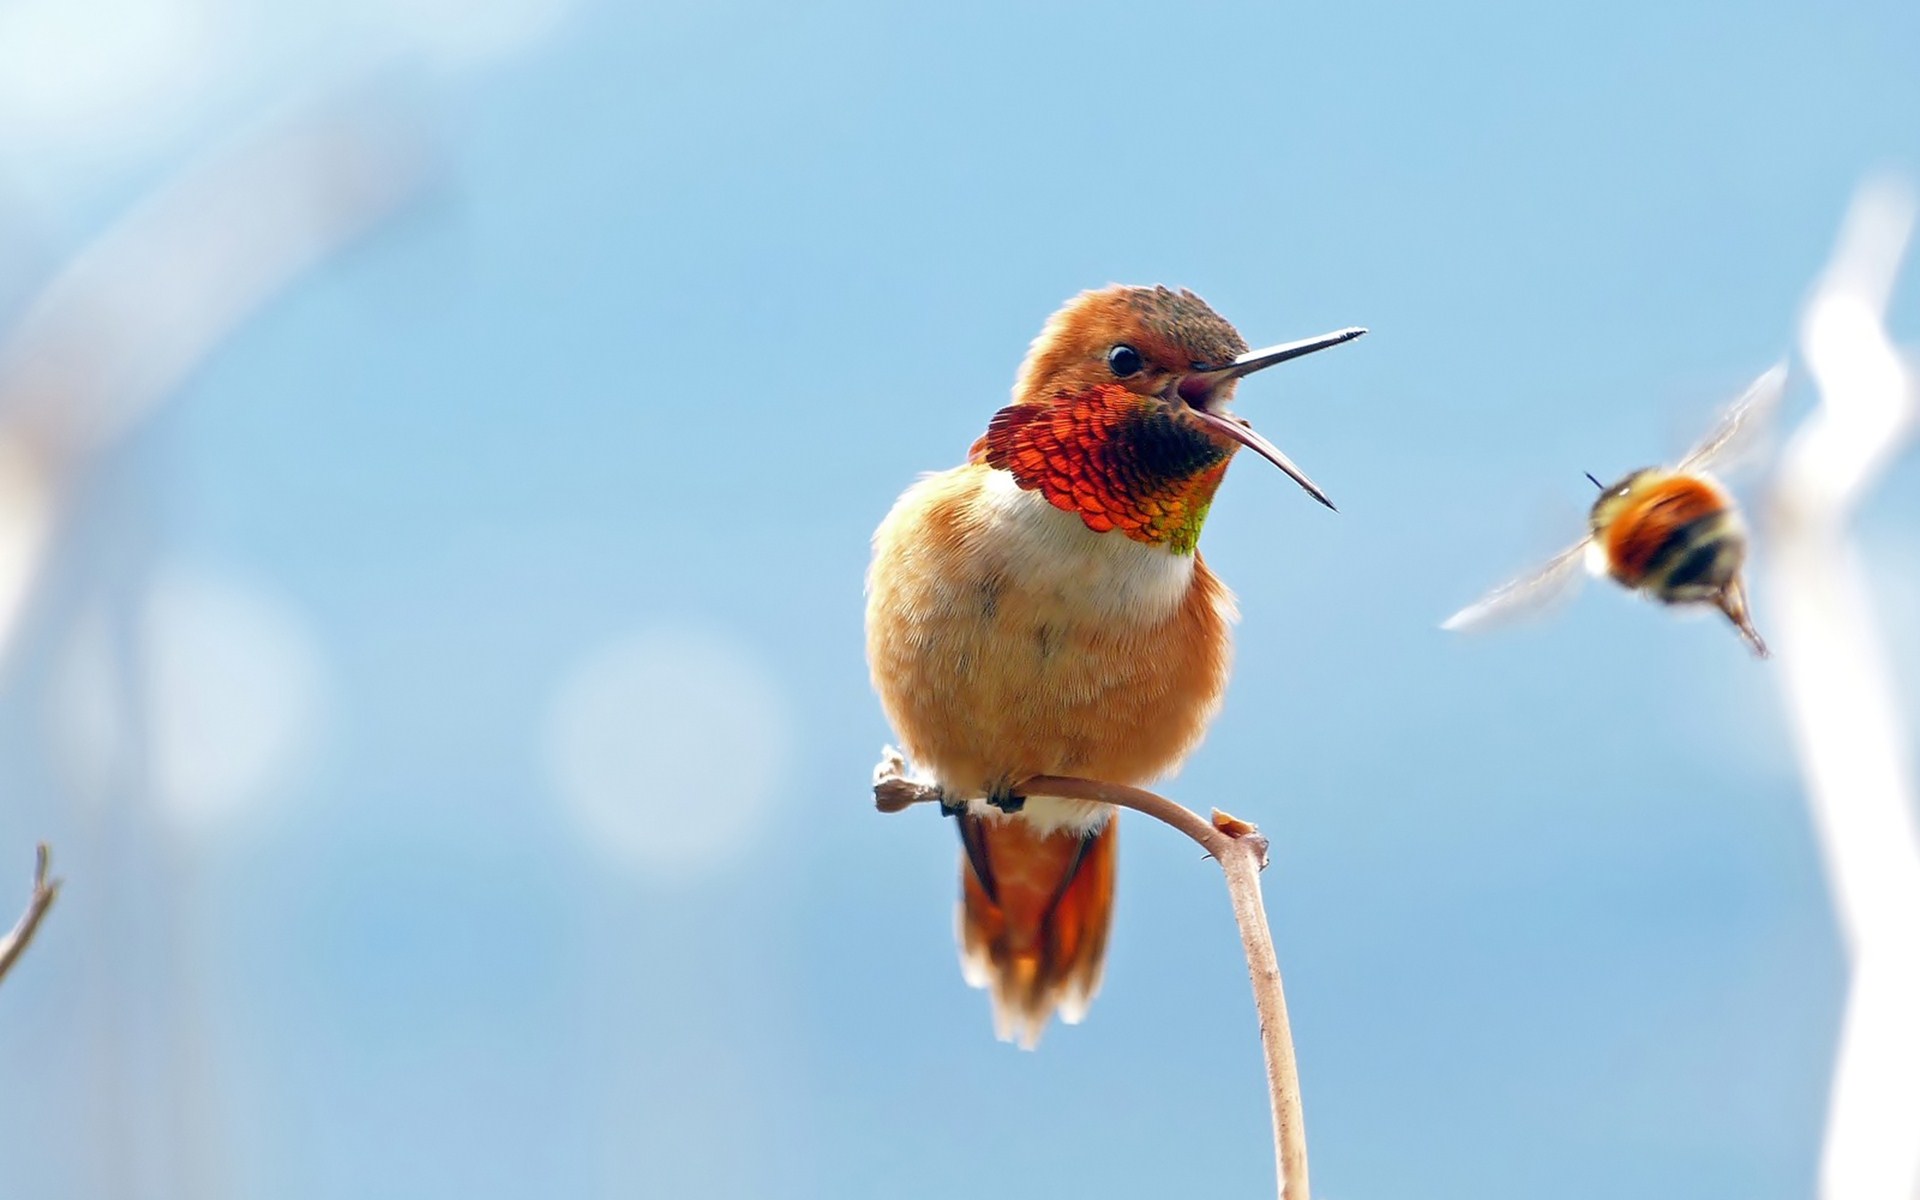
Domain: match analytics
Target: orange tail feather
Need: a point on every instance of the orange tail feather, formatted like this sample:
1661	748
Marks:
1034	913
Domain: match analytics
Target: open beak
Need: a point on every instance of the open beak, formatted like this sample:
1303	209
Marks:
1196	386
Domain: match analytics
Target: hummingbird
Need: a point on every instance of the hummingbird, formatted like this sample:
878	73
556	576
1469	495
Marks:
1043	609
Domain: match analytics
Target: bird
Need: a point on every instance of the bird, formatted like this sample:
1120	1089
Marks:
1043	609
1671	534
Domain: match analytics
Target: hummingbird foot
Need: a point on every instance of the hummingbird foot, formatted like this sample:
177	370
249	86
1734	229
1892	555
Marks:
1004	800
951	806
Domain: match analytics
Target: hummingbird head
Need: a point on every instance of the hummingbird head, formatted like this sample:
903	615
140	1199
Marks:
1120	412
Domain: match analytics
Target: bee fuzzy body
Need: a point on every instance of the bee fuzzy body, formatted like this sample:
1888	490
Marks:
1670	533
1676	537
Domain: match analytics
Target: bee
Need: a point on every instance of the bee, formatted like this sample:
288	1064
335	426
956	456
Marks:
1673	533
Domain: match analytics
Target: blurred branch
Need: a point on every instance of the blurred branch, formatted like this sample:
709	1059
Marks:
135	312
1846	720
1241	850
44	893
130	318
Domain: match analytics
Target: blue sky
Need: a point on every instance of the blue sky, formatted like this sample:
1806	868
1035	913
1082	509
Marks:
695	292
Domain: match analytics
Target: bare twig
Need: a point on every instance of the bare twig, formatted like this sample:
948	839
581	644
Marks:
44	892
112	335
1846	720
1241	851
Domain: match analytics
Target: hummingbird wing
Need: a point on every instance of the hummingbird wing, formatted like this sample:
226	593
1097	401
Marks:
1740	424
1527	595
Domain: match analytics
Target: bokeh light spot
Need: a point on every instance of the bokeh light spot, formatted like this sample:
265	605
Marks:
229	687
669	746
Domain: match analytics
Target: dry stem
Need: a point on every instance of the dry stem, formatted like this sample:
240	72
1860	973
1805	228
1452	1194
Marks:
1241	851
42	899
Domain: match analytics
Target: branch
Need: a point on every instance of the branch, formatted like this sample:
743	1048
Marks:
15	943
1241	851
1846	719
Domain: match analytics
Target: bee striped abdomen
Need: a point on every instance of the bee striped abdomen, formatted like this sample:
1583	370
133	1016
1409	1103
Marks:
1678	541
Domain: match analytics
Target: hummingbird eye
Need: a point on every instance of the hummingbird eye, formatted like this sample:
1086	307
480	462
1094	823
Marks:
1123	360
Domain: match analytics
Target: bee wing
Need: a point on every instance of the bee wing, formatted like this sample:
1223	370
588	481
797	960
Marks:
1530	593
1740	423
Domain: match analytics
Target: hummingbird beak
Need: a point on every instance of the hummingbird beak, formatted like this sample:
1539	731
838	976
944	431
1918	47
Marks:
1259	360
1198	385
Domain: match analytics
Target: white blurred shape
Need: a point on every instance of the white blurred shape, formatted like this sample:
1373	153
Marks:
68	67
669	746
226	681
25	506
233	692
1846	720
143	305
88	707
1848	440
470	32
92	91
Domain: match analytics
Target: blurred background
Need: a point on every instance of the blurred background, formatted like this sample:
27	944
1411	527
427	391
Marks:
438	446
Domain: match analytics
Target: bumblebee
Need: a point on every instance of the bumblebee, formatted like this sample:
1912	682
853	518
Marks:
1673	534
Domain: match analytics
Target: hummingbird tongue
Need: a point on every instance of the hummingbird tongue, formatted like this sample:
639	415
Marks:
1199	388
1240	431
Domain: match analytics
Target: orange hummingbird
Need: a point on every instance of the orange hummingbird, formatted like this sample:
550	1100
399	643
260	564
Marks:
1043	610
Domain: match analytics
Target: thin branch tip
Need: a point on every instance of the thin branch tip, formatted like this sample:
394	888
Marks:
45	892
892	765
1231	825
892	791
898	795
1240	849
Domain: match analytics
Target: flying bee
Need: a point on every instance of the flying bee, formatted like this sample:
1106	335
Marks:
1670	533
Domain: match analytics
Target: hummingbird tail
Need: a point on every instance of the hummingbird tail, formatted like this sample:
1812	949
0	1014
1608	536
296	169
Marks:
1035	907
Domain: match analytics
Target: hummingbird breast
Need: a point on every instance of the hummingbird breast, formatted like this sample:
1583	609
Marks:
1007	639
